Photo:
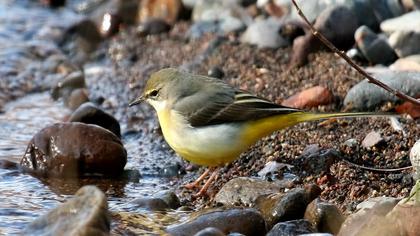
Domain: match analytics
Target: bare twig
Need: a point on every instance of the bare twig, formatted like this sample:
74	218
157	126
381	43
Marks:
370	78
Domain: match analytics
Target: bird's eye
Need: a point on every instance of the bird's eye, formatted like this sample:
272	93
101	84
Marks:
153	93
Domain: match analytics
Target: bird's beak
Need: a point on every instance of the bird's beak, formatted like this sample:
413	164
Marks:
136	101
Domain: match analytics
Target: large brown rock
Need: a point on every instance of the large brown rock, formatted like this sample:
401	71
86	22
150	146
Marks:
74	149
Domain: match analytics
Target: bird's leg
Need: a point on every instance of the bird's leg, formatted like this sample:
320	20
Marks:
198	180
203	190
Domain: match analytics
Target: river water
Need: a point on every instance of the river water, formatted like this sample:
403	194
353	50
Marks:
28	107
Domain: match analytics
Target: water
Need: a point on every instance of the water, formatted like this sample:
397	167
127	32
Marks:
23	197
27	44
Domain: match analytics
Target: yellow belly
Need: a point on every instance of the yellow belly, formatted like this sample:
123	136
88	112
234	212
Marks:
214	145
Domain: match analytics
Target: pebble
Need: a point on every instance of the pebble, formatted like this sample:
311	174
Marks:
373	138
324	217
316	160
264	33
365	96
245	190
415	159
85	214
373	47
308	98
410	63
88	113
407	22
244	221
64	88
170	198
337	23
293	227
152	204
409	108
286	206
405	43
272	169
74	149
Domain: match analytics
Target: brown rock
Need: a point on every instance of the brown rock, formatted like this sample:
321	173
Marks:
167	10
409	108
244	221
324	216
308	98
74	149
286	206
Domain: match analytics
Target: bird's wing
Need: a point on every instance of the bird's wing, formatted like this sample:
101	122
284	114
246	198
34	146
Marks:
228	105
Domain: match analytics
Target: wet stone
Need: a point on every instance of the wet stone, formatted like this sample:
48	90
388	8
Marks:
153	204
64	88
286	206
244	221
245	190
324	217
170	198
289	228
74	149
85	214
210	231
88	113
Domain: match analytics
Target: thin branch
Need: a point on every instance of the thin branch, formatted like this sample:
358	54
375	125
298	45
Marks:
370	78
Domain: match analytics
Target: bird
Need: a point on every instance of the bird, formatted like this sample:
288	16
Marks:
210	123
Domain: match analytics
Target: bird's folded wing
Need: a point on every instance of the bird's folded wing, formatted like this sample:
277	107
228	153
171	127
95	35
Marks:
229	107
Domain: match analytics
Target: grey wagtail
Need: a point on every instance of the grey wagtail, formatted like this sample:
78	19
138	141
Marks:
210	123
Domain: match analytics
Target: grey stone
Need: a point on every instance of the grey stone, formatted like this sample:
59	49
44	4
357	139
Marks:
245	190
85	214
365	95
405	43
372	139
291	228
374	48
265	34
407	22
170	198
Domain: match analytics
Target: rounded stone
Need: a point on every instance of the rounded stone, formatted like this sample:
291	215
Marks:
74	149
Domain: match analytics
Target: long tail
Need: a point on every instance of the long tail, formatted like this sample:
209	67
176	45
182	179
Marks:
309	116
